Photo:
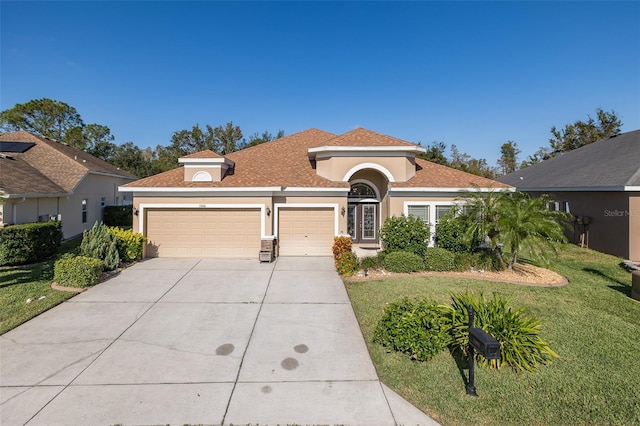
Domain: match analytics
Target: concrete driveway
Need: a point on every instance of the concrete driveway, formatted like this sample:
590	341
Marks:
200	341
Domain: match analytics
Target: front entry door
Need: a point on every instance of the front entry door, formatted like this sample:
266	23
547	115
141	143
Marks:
362	222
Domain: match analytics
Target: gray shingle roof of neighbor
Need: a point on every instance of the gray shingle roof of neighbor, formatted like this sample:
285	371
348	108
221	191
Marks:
607	164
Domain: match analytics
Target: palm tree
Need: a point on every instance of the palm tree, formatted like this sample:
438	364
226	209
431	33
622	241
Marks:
526	224
514	222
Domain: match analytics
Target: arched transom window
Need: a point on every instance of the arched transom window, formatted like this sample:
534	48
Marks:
361	191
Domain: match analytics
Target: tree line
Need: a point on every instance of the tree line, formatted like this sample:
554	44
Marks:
570	137
60	121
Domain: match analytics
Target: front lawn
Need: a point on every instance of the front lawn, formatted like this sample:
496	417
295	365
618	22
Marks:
591	323
20	283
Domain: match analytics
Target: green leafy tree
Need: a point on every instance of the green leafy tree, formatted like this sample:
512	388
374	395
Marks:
466	163
45	117
266	136
133	159
508	160
227	138
435	153
194	140
582	133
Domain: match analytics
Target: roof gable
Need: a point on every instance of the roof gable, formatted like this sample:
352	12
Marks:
607	164
62	164
364	137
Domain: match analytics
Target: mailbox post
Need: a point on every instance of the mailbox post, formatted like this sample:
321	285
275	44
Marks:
486	346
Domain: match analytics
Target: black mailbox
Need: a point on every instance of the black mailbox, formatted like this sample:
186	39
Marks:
484	343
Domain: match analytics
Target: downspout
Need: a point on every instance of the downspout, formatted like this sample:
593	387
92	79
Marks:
15	209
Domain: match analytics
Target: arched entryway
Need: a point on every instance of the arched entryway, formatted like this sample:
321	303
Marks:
363	213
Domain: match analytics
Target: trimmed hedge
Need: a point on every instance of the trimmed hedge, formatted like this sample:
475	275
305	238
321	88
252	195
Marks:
404	234
29	242
77	271
403	261
118	215
439	259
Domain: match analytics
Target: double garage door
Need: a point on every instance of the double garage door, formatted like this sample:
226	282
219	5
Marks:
235	233
203	233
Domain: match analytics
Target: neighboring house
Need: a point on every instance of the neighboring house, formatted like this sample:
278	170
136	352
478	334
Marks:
41	179
599	184
301	189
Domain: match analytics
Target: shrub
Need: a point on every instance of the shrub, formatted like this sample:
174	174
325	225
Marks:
101	244
370	262
341	245
347	264
403	261
439	259
29	242
405	234
129	244
118	215
77	271
489	260
414	328
522	347
450	234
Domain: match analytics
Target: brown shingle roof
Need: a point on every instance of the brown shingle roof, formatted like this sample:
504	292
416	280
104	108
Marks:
207	153
364	137
63	165
432	175
285	162
18	177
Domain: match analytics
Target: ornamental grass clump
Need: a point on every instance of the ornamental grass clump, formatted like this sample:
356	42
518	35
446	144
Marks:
521	346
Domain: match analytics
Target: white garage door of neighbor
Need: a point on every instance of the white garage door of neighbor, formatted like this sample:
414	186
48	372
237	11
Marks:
203	233
305	231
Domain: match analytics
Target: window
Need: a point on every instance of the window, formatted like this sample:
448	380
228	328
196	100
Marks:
441	211
84	210
361	191
421	212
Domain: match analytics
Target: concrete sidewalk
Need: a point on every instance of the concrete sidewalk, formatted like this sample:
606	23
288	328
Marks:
200	341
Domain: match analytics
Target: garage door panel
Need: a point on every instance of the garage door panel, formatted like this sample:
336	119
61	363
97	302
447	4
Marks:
203	232
306	231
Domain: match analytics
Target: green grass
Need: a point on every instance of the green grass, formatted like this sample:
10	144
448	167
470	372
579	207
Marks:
592	323
19	283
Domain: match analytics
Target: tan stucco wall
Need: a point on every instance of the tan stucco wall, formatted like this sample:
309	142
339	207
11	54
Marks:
335	168
92	188
634	226
214	171
609	230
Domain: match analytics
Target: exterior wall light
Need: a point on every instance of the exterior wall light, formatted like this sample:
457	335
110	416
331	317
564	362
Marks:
486	346
135	211
343	211
268	211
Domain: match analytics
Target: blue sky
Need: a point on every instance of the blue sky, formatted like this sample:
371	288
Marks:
473	74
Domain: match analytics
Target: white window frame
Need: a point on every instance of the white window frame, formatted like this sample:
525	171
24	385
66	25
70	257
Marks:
432	214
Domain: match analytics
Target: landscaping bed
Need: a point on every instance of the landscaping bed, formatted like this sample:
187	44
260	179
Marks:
591	323
524	274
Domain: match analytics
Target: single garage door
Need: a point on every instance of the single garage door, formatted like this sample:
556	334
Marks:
305	231
203	233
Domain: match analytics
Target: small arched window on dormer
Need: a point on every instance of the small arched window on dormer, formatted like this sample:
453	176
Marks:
202	177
